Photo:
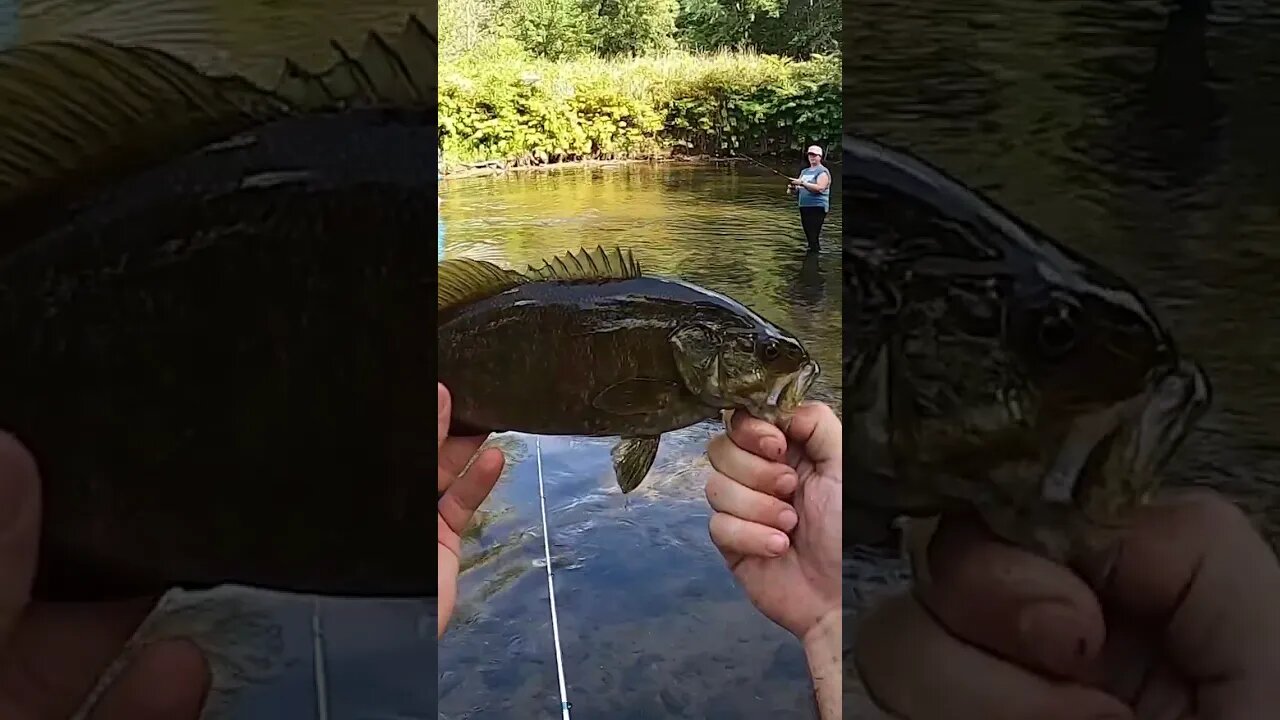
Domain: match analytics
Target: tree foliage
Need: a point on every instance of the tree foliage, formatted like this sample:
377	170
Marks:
566	29
534	112
536	81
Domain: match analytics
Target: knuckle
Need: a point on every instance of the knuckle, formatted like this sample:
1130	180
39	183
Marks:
1213	512
718	449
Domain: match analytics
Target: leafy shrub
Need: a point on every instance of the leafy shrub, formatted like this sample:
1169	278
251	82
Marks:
497	106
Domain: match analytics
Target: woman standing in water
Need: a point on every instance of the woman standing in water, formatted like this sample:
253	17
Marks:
813	189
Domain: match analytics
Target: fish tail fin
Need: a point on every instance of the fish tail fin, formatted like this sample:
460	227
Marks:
399	71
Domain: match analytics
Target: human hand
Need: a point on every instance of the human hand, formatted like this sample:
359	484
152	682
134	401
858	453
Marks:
51	655
461	494
777	497
1182	622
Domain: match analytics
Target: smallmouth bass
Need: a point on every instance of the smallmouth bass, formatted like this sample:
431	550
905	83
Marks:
991	367
588	345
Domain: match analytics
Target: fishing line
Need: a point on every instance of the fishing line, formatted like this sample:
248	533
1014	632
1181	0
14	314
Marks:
551	585
319	663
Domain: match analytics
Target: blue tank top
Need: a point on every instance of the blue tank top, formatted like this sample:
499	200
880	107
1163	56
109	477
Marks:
812	199
439	220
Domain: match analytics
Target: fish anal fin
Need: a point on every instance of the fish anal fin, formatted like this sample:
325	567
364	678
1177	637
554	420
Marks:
463	280
632	459
588	266
637	396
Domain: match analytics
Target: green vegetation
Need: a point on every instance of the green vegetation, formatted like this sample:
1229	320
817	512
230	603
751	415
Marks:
564	80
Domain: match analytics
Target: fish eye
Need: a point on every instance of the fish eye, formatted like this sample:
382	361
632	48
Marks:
1058	330
770	350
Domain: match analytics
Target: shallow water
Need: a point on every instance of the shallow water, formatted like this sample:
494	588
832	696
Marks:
651	623
1139	133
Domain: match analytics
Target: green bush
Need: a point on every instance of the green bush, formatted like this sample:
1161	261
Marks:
503	105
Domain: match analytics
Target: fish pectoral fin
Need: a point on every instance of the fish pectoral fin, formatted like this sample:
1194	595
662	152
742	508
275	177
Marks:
632	458
463	280
638	396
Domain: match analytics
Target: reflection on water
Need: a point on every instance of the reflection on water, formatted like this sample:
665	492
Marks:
1142	134
651	623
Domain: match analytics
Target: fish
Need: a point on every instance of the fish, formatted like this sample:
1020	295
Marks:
587	345
210	307
991	368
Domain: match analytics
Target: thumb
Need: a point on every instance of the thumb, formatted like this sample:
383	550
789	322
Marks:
168	681
19	529
444	406
1195	565
815	432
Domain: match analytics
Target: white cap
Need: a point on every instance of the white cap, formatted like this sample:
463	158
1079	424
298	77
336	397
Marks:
814	150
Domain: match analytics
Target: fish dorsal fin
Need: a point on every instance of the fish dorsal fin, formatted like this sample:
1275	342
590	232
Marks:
588	266
463	280
400	72
80	111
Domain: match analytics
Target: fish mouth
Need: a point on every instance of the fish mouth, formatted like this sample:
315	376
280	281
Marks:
787	393
1110	460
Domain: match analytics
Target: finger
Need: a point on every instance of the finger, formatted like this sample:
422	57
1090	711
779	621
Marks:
469	492
750	469
757	436
912	667
169	680
1009	601
815	432
458	451
19	529
728	496
65	647
740	538
444	409
1194	565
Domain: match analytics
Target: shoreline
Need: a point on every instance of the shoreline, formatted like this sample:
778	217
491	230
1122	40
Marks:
500	167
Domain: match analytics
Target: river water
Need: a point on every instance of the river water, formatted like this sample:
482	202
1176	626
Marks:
651	623
1141	133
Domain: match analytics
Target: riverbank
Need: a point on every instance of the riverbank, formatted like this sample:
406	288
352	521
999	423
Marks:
519	112
498	167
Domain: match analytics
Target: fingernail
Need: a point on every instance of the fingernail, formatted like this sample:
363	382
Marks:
787	519
777	544
787	483
1053	633
772	448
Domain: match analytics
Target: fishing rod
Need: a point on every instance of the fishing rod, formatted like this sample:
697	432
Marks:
750	159
551	586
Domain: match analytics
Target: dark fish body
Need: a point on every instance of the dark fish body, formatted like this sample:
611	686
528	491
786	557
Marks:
219	363
991	367
597	349
608	334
